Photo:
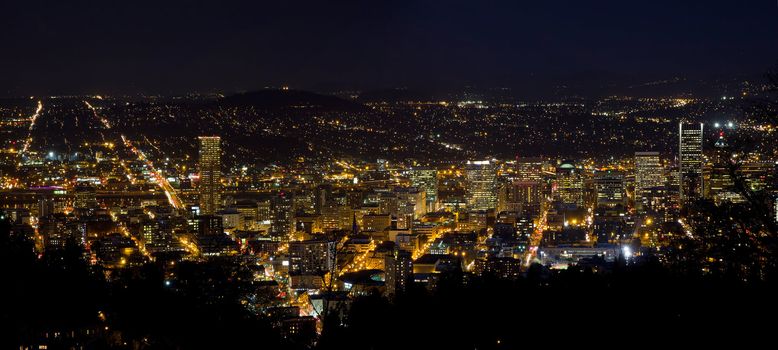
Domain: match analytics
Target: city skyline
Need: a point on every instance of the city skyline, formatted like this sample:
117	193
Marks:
386	175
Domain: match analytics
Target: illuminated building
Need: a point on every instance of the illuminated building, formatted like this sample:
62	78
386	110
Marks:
399	271
311	257
524	197
210	174
86	196
376	222
481	185
721	184
150	232
411	205
525	225
648	174
231	218
609	186
281	211
502	268
690	161
426	179
209	225
569	185
529	169
299	330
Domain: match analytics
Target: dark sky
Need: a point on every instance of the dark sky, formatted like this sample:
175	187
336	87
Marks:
172	47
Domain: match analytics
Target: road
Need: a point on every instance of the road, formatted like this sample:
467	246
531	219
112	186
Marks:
423	249
169	191
535	239
162	182
28	140
358	263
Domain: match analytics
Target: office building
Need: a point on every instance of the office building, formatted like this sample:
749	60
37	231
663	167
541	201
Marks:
690	161
210	174
399	271
569	185
426	179
481	185
649	174
609	187
311	257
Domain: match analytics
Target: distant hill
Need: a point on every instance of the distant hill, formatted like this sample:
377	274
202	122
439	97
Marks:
394	95
285	99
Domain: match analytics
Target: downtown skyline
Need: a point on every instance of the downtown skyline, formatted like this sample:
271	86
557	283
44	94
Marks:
306	175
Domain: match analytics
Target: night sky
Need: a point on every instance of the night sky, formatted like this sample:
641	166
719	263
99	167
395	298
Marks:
173	47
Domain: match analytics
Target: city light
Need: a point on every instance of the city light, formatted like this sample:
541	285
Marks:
378	175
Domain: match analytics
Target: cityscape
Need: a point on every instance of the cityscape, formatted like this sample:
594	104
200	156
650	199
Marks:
285	216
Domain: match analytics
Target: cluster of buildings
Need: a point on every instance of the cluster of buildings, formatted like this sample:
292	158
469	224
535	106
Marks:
318	235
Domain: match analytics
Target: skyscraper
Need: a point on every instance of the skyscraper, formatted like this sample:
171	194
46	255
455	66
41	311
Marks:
690	161
529	169
524	197
282	211
210	174
721	185
426	179
609	187
399	271
481	185
648	174
569	185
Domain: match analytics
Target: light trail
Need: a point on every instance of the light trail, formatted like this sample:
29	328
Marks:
686	228
169	191
358	263
102	119
33	118
126	233
423	250
535	239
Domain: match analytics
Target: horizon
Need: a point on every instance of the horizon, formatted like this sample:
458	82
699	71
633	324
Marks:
352	174
577	48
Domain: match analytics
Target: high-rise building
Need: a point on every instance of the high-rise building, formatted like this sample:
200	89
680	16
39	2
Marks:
210	174
281	212
524	197
648	174
426	179
399	271
209	225
411	205
529	169
569	185
609	187
311	257
690	160
721	185
481	185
